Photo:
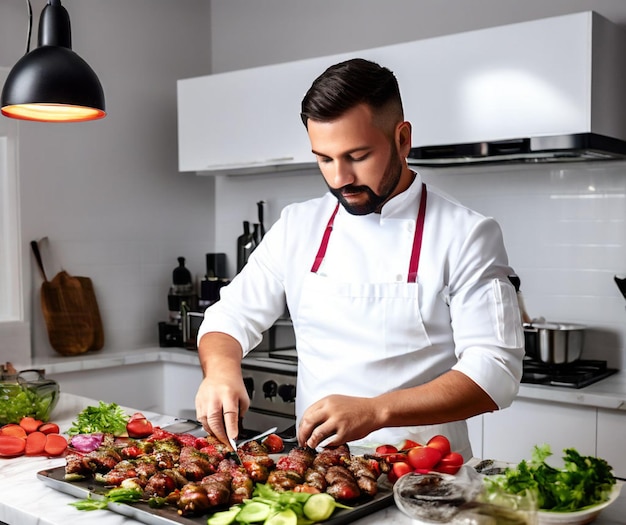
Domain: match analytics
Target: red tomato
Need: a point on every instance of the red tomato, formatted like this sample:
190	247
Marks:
447	469
138	427
454	459
441	443
407	444
398	470
424	457
274	444
386	449
390	454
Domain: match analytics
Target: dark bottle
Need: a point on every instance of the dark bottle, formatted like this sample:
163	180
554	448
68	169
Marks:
245	245
181	279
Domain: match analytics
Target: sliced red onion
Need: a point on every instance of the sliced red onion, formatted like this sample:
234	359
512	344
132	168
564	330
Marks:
86	442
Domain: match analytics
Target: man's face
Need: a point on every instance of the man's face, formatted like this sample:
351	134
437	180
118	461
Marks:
360	163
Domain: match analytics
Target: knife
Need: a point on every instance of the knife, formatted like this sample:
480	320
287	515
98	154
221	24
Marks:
244	441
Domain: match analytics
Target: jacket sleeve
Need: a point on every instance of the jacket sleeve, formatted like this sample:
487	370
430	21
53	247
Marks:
489	346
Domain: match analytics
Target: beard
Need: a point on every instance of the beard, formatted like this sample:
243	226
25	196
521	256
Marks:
374	201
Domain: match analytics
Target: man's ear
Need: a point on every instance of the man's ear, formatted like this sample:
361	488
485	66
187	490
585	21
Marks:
403	138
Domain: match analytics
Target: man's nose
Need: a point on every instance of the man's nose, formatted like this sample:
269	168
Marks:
342	174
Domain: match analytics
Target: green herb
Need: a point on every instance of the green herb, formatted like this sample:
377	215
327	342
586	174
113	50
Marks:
583	480
107	418
117	495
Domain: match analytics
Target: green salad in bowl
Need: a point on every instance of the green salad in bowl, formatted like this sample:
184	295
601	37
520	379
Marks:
572	494
27	393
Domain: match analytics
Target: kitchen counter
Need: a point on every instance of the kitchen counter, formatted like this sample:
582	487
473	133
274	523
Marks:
609	393
25	500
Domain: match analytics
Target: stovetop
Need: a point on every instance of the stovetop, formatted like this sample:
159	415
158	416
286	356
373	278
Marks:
577	374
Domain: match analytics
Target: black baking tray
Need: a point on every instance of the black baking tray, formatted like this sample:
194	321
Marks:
142	512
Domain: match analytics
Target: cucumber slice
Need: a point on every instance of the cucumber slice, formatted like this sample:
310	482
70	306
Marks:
253	512
225	517
319	507
284	517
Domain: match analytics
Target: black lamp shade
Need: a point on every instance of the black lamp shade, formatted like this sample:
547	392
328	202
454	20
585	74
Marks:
52	83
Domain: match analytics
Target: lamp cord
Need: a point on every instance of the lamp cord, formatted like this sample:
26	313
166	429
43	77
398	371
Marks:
30	25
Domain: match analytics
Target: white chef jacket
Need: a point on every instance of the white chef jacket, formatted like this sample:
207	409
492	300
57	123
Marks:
468	307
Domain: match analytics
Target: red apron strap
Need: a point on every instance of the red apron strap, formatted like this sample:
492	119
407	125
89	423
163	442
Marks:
417	239
322	250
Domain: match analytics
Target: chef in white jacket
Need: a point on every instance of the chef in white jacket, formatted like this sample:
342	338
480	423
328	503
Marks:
405	321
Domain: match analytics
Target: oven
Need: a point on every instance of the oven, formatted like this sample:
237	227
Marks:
271	385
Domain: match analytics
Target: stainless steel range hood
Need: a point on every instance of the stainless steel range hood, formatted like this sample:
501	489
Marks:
550	90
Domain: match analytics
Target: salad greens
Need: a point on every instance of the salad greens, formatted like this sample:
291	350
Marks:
18	401
107	418
583	480
117	495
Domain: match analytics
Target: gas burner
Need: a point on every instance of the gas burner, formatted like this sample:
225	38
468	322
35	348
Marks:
577	374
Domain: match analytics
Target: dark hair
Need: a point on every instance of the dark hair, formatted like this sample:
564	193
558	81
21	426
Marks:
347	84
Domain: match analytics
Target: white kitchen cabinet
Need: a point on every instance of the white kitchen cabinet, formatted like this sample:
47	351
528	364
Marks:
139	386
180	384
611	439
510	434
475	433
247	120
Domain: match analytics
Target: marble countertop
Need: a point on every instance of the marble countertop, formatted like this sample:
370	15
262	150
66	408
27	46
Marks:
26	500
609	393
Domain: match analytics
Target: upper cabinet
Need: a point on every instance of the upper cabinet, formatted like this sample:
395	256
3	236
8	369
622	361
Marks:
531	79
245	121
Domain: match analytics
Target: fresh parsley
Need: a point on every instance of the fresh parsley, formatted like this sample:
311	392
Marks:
108	418
583	481
117	495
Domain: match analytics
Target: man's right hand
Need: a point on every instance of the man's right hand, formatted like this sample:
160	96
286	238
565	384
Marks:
222	398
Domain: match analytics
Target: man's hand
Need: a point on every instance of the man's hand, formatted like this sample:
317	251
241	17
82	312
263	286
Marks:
222	399
219	406
336	419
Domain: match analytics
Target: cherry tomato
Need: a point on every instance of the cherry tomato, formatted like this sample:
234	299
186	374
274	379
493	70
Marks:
389	453
423	457
441	443
386	449
454	459
274	444
407	444
447	469
398	470
139	427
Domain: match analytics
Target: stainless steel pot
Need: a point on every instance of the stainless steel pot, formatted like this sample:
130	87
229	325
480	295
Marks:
554	343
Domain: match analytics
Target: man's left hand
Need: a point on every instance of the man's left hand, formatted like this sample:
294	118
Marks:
336	419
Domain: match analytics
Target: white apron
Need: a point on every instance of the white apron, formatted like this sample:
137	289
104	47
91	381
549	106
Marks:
352	339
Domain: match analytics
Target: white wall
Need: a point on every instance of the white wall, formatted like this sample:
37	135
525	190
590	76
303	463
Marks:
107	194
564	225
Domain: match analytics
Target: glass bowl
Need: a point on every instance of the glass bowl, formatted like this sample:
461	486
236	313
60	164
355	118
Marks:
27	393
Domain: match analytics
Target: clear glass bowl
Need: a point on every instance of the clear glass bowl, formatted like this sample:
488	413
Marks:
27	393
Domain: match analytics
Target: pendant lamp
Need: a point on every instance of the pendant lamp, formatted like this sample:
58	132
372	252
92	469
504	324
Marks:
52	83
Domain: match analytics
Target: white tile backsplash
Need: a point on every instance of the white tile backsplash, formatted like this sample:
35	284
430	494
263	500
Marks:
564	227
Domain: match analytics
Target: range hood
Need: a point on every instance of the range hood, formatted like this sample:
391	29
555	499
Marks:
550	90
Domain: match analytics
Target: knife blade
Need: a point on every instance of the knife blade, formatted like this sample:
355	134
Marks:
234	453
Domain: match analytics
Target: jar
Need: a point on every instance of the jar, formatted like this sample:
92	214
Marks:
27	393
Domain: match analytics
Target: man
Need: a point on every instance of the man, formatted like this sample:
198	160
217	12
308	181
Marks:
405	321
